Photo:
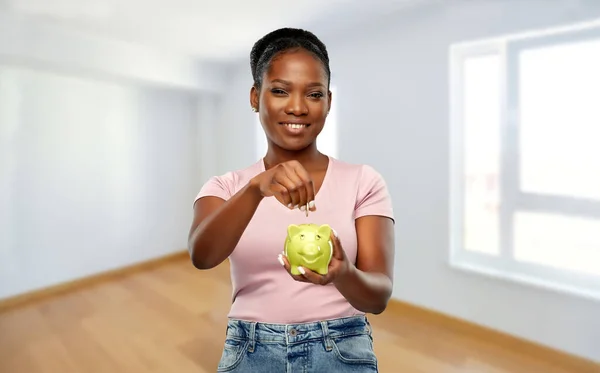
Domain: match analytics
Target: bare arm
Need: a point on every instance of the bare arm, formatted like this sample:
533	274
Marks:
218	225
368	284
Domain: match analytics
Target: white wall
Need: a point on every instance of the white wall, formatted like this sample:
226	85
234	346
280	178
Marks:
393	114
94	175
103	147
236	130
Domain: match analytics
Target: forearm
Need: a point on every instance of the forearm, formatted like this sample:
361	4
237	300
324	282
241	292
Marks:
366	291
215	238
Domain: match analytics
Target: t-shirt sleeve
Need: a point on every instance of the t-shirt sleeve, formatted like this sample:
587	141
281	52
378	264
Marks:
217	186
373	196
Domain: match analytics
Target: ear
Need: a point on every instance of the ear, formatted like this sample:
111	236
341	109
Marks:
293	230
325	230
330	100
254	97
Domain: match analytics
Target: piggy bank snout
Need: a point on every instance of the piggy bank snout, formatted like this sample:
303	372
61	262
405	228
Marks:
310	249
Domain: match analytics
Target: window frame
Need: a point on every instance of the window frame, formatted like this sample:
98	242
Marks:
513	200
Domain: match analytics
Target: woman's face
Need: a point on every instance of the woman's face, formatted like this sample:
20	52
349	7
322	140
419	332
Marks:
293	101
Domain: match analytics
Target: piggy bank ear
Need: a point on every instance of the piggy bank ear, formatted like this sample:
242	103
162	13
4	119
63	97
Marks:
325	231
293	230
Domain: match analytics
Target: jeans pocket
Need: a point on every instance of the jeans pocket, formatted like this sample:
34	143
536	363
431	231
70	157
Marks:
232	355
355	350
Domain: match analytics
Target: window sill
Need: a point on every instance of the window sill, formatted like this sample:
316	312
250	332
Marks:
526	280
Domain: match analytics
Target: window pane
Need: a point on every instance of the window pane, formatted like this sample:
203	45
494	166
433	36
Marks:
560	120
482	151
558	241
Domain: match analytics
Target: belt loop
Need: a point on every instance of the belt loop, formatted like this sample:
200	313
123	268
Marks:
326	338
252	336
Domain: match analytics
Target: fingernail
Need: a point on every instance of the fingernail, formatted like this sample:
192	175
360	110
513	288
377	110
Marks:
301	270
295	207
311	205
280	260
334	233
303	208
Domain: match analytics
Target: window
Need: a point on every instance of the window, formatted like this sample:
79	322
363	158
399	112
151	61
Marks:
525	159
327	141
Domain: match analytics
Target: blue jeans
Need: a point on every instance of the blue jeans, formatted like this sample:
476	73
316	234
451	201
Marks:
340	345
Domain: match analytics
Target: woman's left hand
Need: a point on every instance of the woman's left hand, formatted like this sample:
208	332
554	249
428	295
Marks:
338	267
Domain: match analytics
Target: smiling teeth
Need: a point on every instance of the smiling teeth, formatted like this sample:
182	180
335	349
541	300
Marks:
295	126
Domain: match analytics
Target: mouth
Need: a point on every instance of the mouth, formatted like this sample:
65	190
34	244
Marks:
311	259
295	127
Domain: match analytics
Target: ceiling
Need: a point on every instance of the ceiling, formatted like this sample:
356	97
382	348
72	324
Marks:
213	30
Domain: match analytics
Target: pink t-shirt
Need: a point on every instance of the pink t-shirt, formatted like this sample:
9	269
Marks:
263	291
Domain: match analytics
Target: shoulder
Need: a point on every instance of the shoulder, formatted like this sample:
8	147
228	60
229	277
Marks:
372	193
229	183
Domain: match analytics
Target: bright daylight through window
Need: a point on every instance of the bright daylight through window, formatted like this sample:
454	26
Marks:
327	141
525	159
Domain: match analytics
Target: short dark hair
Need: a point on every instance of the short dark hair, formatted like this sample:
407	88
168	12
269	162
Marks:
282	40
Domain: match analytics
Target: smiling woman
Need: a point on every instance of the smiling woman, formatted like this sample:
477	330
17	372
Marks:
283	319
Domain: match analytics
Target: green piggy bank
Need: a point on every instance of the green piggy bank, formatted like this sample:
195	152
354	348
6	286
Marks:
309	246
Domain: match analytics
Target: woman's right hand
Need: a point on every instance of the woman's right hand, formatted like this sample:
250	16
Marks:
289	183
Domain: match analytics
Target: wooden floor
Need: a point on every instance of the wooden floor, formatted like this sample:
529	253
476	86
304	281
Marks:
171	319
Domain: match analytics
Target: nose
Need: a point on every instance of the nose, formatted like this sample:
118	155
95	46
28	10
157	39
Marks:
296	105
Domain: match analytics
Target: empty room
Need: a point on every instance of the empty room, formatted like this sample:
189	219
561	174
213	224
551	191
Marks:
310	186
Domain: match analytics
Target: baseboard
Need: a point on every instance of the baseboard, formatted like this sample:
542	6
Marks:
575	363
25	298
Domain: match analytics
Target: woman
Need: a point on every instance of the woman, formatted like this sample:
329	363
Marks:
281	322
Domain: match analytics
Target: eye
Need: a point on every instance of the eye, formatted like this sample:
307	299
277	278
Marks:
301	236
277	91
318	237
316	95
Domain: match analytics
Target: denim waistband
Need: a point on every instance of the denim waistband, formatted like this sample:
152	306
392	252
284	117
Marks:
297	333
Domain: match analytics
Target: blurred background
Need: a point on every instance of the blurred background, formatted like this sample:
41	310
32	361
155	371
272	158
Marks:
483	116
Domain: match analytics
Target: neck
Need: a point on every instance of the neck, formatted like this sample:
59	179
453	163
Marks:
308	157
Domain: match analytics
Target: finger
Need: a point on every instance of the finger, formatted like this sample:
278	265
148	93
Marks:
308	185
309	188
300	187
337	245
286	264
313	277
283	180
281	194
